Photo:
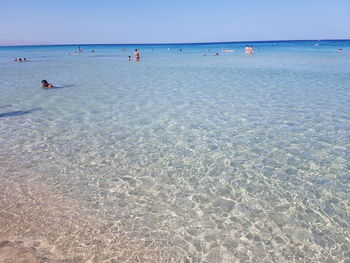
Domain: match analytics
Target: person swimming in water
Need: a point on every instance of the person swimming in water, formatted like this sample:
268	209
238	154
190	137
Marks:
46	85
136	55
129	58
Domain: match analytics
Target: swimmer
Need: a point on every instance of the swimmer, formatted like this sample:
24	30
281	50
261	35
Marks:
340	50
136	55
129	58
45	84
16	60
19	60
25	60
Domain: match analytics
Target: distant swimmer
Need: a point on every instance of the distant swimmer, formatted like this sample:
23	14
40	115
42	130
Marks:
20	60
340	50
246	50
216	54
136	55
45	84
129	58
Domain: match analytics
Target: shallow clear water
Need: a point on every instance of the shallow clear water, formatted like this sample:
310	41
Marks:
194	158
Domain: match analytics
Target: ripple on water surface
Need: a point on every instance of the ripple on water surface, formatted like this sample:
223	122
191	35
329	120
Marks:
193	159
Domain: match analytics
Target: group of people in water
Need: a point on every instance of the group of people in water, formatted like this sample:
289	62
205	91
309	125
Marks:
20	60
249	50
78	52
136	55
45	85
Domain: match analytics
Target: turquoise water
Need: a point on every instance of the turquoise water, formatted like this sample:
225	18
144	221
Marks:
181	157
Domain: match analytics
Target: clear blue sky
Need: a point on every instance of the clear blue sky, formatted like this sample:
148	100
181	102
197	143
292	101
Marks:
161	21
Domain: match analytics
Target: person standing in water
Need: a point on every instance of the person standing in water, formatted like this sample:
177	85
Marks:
136	55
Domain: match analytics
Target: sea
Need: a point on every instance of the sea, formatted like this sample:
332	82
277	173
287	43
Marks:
183	156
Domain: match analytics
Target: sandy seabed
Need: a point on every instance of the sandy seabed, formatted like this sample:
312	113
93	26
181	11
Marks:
40	224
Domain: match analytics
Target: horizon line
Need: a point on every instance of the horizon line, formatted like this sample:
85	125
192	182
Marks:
176	43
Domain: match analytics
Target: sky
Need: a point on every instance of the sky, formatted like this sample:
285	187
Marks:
170	21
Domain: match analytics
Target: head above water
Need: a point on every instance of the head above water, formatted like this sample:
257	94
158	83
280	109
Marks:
45	84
